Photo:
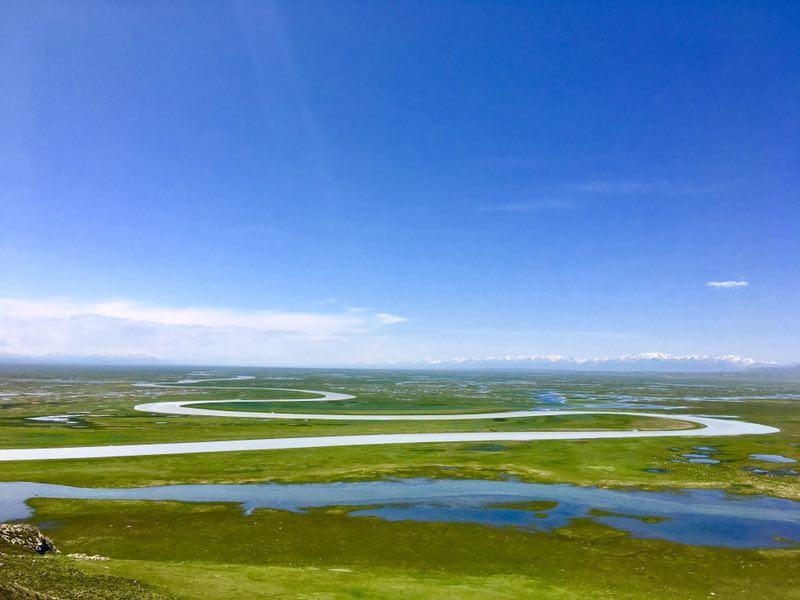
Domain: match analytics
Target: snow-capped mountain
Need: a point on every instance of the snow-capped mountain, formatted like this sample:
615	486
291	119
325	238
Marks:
646	361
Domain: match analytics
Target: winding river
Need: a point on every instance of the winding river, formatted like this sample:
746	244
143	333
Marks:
709	427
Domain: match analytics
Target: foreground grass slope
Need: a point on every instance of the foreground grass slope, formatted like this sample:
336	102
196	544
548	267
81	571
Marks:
215	551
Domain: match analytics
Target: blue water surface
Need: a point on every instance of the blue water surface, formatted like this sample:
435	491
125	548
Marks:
696	517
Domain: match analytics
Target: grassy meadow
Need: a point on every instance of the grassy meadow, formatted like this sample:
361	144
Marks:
213	550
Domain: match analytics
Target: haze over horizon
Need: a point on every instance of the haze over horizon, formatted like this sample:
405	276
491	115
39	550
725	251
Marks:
654	362
370	183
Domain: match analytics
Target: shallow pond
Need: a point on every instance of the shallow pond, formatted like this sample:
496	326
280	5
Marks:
702	456
553	398
697	517
550	397
772	472
773	458
700	459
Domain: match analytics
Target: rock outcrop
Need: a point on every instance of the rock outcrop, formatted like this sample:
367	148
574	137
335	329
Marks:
26	537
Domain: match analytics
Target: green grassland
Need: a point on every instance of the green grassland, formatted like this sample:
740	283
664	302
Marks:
176	550
110	419
208	551
138	428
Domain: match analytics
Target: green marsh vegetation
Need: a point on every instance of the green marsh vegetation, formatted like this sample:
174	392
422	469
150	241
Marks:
214	550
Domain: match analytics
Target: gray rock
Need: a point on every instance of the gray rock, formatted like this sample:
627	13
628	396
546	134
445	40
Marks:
26	537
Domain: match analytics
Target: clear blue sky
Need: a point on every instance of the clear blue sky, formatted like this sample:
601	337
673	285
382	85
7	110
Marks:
508	177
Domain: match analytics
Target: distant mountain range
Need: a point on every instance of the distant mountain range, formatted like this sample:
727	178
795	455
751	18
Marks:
647	361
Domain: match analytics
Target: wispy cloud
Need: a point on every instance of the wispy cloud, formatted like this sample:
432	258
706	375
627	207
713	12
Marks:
389	319
621	187
193	334
723	285
533	333
634	187
535	206
570	196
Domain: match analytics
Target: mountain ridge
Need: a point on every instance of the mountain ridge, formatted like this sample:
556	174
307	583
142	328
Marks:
643	361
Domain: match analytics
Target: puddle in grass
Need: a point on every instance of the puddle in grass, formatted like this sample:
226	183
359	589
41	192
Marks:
702	455
550	397
772	458
772	472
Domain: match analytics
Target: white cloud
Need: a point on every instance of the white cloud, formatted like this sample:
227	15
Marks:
721	285
389	319
191	334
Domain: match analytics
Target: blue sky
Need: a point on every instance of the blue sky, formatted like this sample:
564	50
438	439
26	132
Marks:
358	182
